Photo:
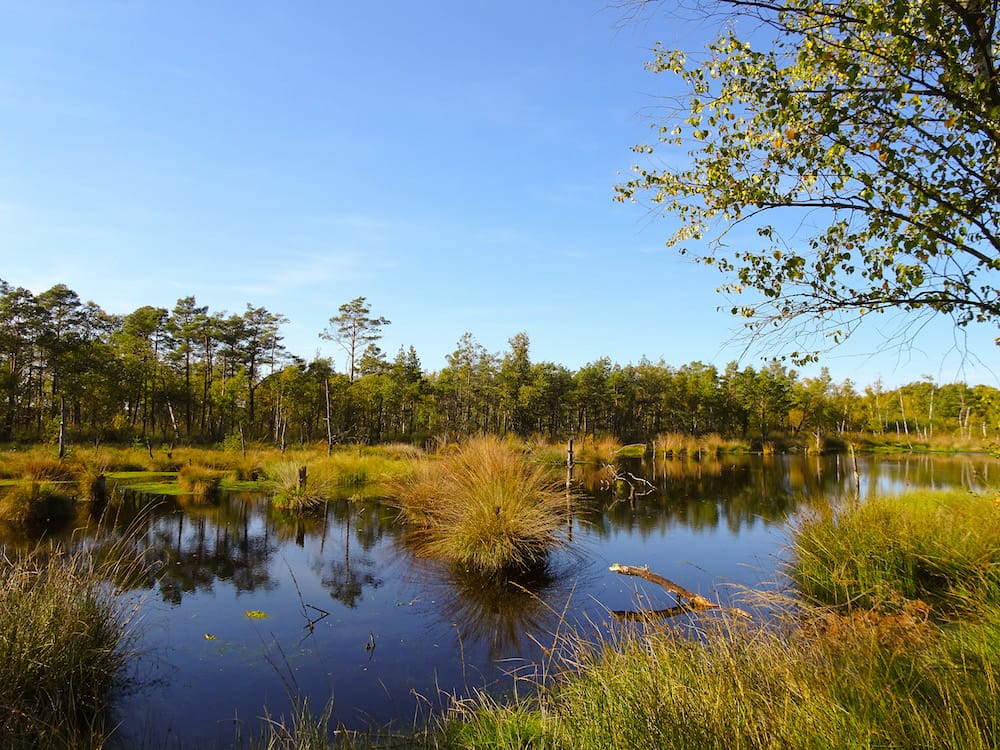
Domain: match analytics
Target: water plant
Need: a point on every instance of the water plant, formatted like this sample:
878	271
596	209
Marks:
484	507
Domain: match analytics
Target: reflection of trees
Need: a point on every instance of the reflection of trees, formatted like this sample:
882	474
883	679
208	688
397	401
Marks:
347	576
891	474
737	492
195	546
741	491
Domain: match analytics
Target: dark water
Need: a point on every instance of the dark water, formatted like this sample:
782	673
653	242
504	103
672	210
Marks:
339	609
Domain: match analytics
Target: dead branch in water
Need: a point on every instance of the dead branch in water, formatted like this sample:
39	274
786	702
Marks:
696	601
637	486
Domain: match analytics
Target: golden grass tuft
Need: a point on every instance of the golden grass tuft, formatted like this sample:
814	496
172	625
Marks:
300	492
484	507
205	485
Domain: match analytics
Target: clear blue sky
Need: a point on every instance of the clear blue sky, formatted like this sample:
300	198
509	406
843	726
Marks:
453	162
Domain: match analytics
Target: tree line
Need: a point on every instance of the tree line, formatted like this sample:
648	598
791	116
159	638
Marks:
191	375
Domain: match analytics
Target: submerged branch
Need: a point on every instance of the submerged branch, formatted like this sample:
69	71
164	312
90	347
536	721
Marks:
697	601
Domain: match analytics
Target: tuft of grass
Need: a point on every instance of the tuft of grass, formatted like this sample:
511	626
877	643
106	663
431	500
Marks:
37	464
203	483
484	507
941	548
92	483
597	450
64	635
303	730
291	494
484	721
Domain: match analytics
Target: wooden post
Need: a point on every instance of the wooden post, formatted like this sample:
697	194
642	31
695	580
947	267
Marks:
569	465
303	477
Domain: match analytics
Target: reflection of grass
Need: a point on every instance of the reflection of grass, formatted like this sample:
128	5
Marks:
498	611
36	504
484	507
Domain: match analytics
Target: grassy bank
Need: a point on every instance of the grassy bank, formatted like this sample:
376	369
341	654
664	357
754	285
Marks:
64	636
939	548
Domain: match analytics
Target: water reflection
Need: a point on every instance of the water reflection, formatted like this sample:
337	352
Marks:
497	615
346	575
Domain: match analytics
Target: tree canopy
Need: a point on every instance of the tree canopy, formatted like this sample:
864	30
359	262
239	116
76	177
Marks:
193	375
858	142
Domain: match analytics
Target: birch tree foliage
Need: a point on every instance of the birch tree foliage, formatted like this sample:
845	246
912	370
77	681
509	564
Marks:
876	123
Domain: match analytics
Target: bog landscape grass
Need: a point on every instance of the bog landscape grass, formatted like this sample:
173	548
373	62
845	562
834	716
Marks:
64	637
484	507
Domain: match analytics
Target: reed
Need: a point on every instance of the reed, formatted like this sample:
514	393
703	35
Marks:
65	635
483	507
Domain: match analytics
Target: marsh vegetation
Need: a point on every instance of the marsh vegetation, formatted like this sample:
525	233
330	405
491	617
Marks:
529	650
66	637
485	507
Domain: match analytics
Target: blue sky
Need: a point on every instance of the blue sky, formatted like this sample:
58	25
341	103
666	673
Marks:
452	162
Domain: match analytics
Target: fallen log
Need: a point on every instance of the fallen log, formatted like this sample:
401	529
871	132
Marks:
696	600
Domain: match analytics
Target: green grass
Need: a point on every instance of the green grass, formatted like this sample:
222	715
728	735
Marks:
484	507
63	638
942	548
